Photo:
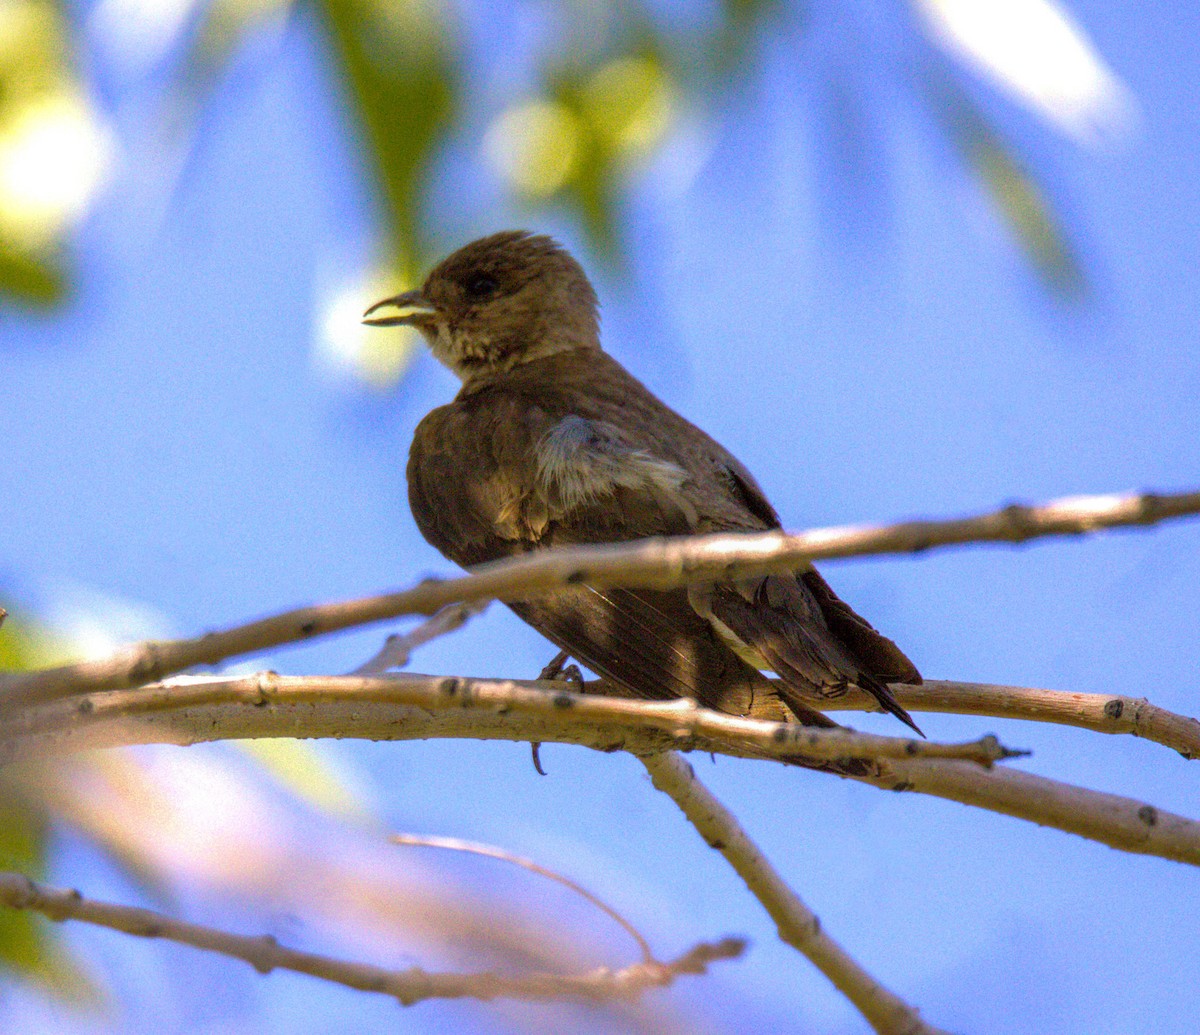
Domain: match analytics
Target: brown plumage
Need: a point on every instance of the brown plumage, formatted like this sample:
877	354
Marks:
551	442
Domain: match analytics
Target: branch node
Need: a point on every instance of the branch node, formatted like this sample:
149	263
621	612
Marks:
264	962
265	687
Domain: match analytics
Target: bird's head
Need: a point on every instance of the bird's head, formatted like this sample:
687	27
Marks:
498	302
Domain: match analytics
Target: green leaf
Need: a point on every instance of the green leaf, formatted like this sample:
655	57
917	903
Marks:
53	149
398	66
25	643
30	948
1016	195
581	141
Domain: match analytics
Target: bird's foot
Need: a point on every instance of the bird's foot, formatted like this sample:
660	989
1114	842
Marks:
555	668
558	671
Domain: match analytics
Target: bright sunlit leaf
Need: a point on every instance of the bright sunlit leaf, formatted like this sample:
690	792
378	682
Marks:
535	147
311	775
54	149
1035	51
95	623
630	101
136	34
53	157
343	347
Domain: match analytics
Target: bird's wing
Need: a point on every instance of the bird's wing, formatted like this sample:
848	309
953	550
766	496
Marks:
541	482
595	485
589	483
653	644
797	627
878	655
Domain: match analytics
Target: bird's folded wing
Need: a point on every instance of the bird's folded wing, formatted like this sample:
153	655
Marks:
875	652
654	644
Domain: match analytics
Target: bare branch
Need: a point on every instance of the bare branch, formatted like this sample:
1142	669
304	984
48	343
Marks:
886	1012
410	986
397	649
683	721
1101	713
406	707
1119	822
655	563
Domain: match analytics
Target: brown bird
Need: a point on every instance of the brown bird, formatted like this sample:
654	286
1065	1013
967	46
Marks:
551	442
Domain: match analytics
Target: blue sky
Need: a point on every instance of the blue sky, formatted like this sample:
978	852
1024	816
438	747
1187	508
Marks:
171	441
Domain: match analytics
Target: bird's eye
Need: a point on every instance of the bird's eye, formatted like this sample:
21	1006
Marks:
481	285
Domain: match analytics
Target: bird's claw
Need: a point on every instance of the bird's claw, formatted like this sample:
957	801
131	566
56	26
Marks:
536	747
554	670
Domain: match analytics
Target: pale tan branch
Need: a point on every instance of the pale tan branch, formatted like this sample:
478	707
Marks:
397	649
1119	822
682	721
1101	713
886	1012
410	986
411	707
654	563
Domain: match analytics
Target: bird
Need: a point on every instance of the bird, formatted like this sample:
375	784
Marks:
550	442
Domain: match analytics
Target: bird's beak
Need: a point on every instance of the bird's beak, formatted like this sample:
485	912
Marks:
415	309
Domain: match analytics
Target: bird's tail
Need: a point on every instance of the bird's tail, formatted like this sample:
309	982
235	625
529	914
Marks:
887	700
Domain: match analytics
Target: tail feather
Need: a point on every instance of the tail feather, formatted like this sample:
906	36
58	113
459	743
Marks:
887	700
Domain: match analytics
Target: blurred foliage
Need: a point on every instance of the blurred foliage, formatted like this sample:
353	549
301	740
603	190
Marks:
114	800
606	85
53	149
309	775
1016	196
31	948
400	64
582	139
26	644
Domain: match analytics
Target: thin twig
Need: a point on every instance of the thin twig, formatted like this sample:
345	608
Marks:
189	709
410	986
885	1011
455	844
397	649
654	563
